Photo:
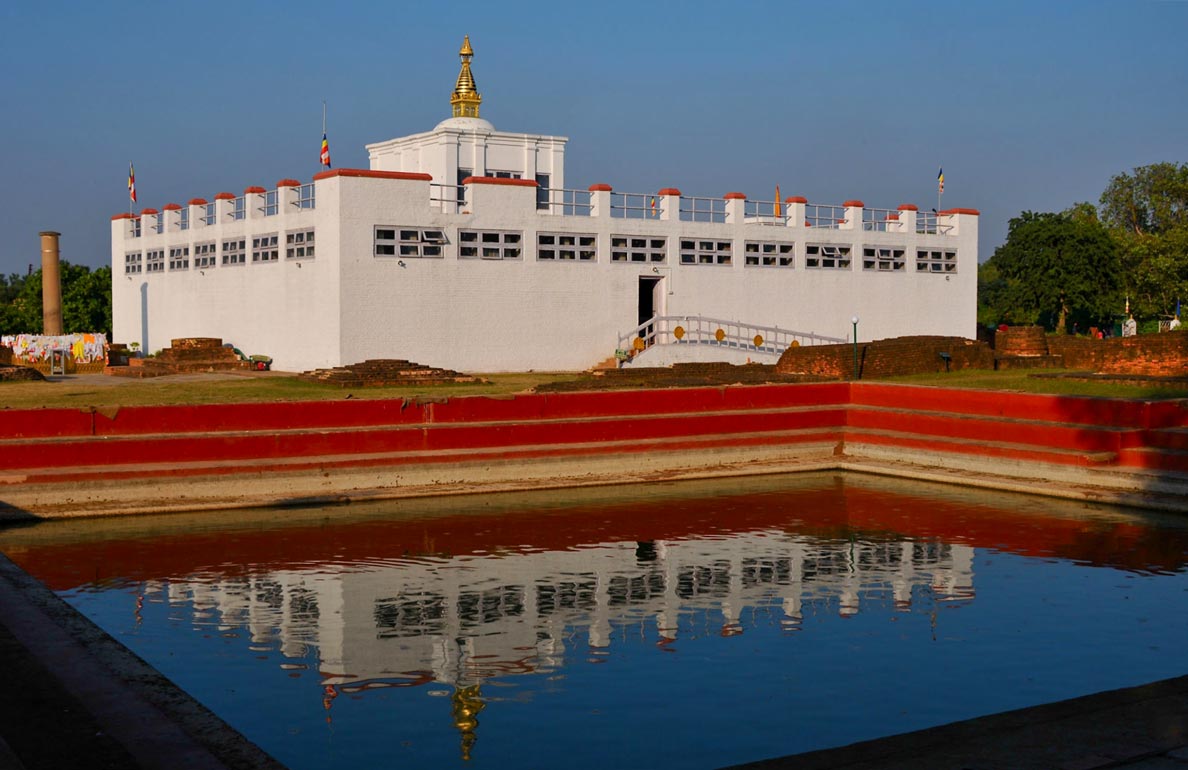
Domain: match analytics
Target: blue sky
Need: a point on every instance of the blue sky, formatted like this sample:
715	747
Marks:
1028	106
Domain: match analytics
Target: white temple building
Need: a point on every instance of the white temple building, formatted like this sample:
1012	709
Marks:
462	247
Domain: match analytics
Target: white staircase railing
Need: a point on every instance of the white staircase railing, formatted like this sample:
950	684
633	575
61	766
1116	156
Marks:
700	330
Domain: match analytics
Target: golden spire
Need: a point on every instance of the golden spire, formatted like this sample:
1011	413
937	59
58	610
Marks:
466	99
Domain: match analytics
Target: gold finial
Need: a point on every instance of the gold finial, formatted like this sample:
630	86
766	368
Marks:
466	99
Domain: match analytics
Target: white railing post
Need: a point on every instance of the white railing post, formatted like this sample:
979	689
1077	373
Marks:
288	192
224	207
197	213
853	217
670	204
736	207
907	217
253	202
794	210
600	200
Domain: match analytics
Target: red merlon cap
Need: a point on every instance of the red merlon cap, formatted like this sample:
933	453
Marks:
250	190
497	180
796	199
908	207
143	212
368	174
734	196
600	187
670	191
225	196
857	204
973	212
892	216
125	215
288	183
197	201
171	207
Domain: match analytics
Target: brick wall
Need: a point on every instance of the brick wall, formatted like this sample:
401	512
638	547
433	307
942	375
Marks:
1162	355
887	358
1081	353
1021	341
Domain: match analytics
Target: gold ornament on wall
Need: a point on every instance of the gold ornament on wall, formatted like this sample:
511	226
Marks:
758	340
639	343
719	335
679	332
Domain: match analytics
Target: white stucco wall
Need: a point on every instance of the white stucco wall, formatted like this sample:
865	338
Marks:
347	304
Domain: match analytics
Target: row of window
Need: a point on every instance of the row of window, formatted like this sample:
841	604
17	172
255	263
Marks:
299	244
271	207
583	247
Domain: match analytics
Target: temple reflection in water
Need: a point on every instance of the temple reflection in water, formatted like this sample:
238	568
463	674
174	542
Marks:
463	619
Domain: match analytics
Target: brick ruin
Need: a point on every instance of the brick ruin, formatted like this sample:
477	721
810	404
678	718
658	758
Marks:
1019	347
382	372
184	356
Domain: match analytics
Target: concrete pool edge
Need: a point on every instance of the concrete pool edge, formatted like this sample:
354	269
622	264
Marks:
1114	728
1123	487
153	720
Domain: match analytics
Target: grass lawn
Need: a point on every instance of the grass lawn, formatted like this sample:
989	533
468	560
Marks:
97	390
1021	381
102	391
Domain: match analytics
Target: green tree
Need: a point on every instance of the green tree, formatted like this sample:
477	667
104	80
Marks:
1147	213
1056	269
86	301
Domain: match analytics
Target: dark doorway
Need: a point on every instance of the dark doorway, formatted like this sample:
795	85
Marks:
647	298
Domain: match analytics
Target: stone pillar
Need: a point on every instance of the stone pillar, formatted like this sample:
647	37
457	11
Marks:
51	285
853	215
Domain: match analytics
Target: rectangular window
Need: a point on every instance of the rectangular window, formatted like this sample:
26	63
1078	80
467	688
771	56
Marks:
179	258
183	219
698	252
882	258
936	261
768	254
264	248
489	244
299	244
305	197
827	257
271	203
204	255
504	174
412	242
574	247
136	231
132	262
234	252
238	210
629	248
154	261
209	217
542	191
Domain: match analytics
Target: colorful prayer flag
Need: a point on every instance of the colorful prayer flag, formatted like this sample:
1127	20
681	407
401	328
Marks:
131	182
653	205
778	205
325	151
940	181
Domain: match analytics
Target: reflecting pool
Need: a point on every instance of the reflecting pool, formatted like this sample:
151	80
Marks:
696	624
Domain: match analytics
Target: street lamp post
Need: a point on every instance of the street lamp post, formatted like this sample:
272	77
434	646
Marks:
854	321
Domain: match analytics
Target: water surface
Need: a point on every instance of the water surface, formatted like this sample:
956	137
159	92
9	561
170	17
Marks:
688	625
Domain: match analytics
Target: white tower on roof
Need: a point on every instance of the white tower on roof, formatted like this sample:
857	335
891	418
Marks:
466	145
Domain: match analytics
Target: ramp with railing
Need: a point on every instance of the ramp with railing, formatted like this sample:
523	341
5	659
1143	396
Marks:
716	332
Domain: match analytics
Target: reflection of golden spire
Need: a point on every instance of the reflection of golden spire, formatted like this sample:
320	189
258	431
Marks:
466	703
466	99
